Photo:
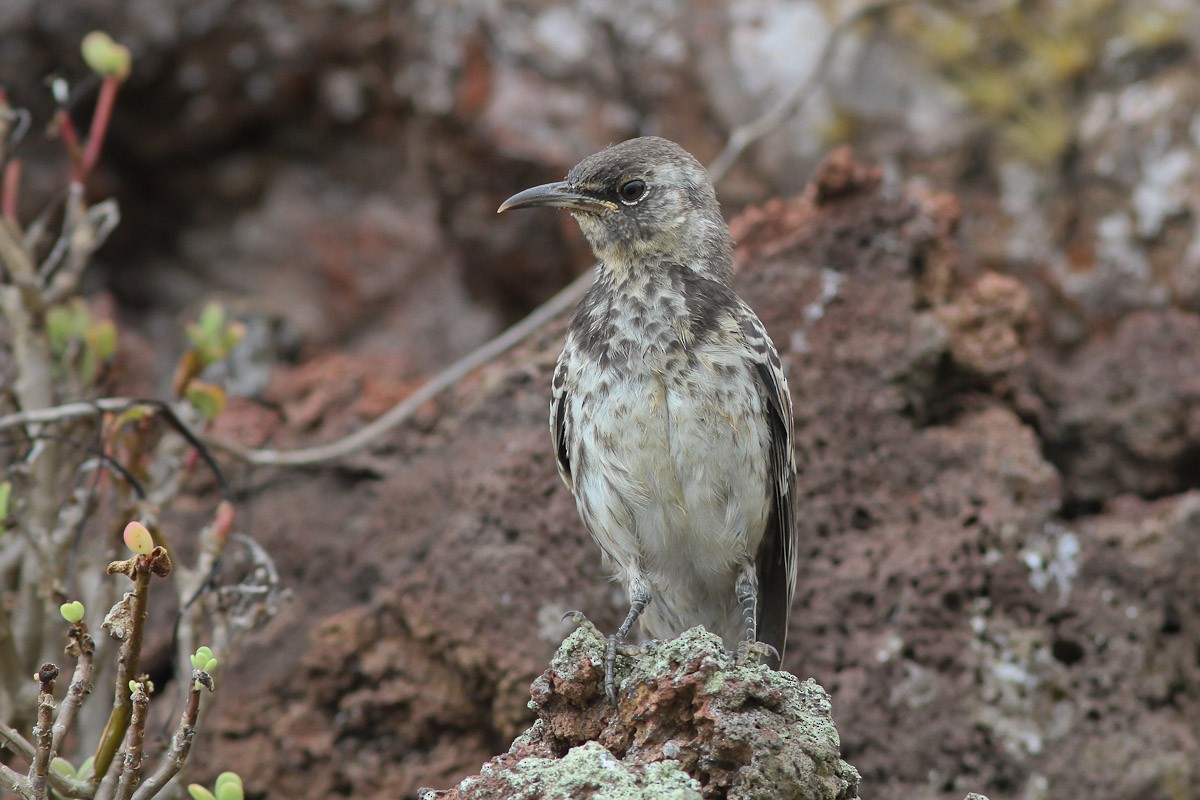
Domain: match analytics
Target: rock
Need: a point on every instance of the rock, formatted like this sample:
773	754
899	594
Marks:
1122	415
690	723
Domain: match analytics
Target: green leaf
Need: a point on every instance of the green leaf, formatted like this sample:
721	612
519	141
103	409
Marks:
5	497
198	792
133	414
72	612
209	400
62	767
229	786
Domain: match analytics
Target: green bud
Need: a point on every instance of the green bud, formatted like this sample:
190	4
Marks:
106	57
198	792
201	657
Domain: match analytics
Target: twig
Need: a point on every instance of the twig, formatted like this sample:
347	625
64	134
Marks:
9	190
107	788
14	741
82	648
181	744
127	666
565	299
66	129
42	733
745	135
10	134
85	236
15	782
100	119
132	771
91	408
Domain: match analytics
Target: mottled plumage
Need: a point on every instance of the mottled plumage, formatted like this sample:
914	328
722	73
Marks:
670	413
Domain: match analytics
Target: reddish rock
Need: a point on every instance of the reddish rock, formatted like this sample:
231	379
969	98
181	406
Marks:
690	723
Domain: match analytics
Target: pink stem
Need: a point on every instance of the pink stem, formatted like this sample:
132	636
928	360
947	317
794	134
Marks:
100	120
8	189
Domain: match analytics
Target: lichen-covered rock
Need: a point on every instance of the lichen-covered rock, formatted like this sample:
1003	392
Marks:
691	723
589	770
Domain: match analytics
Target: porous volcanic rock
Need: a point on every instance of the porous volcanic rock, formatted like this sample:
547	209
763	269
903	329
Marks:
690	723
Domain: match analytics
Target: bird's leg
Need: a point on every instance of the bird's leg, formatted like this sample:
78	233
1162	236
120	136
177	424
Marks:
750	650
639	598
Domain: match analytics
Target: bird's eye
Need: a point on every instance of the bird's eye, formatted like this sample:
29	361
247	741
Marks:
632	191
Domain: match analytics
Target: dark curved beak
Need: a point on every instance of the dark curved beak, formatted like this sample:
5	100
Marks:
559	195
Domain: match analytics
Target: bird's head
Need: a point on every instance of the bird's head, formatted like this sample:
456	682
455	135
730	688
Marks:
640	202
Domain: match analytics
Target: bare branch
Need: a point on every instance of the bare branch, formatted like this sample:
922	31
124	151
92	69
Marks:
181	744
82	648
15	782
745	135
402	411
88	233
128	618
132	772
14	741
42	736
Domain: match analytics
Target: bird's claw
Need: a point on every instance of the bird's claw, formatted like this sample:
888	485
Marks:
581	621
753	653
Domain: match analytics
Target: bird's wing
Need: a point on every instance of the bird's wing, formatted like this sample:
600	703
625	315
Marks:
559	422
777	554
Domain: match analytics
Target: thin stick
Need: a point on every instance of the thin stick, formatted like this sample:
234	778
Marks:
100	119
181	744
127	666
132	771
42	735
83	649
745	135
363	437
70	137
9	190
15	782
16	742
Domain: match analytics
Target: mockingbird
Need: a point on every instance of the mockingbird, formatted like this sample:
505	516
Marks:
670	415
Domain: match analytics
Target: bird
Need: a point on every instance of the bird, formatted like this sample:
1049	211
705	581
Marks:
670	414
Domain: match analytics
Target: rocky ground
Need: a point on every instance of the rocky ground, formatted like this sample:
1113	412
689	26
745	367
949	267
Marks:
994	361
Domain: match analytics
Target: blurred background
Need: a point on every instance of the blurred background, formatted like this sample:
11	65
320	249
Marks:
330	170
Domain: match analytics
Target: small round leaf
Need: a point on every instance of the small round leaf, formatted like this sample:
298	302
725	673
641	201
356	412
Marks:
138	538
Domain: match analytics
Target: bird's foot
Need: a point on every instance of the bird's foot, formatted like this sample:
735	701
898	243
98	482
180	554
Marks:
610	668
753	653
613	647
